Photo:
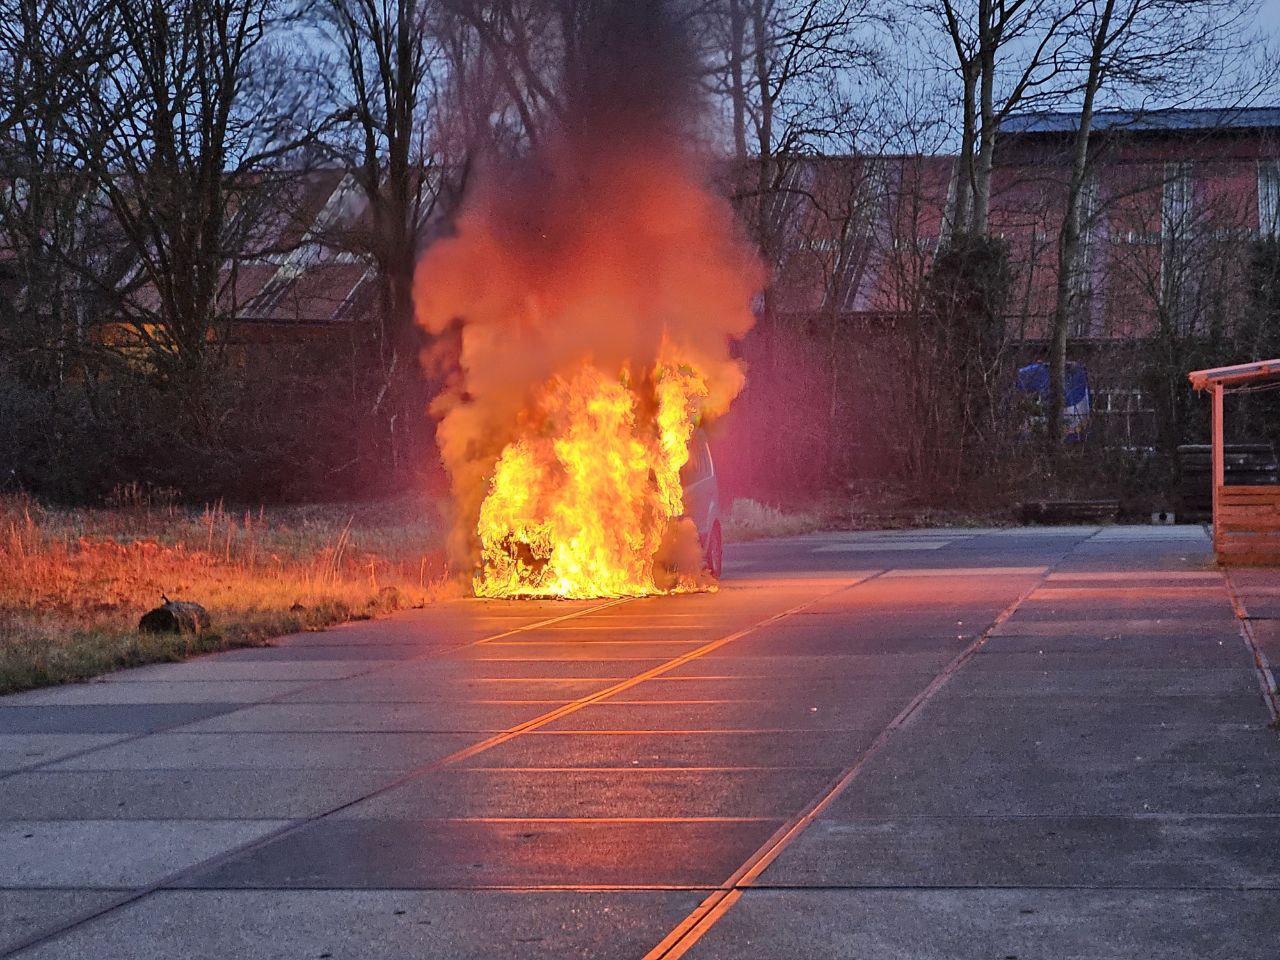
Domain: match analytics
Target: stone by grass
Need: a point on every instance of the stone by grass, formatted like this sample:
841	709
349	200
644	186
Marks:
74	582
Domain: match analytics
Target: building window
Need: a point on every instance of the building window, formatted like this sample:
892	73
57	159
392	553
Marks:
1176	201
1179	271
1268	197
949	210
1081	279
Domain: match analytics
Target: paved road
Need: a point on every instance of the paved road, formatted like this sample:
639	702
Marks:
940	744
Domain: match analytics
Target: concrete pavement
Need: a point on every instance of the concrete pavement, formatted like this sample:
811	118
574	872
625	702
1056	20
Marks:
1043	743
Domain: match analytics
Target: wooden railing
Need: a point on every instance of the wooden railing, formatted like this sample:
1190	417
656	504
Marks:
1247	525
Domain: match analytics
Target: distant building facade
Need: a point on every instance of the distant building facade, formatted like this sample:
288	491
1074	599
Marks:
1173	202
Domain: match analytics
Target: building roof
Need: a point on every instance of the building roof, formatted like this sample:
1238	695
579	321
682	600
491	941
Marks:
1145	121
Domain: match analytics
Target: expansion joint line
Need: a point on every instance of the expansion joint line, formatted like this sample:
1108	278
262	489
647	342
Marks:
622	685
717	903
133	896
180	877
315	685
1266	679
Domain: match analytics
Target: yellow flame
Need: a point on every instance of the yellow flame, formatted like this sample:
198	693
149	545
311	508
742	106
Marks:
579	504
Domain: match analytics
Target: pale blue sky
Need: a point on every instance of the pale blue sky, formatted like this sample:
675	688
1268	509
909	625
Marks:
1271	15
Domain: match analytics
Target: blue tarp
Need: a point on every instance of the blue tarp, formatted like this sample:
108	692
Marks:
1033	380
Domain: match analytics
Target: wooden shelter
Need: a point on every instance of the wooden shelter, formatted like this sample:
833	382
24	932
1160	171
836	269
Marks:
1246	520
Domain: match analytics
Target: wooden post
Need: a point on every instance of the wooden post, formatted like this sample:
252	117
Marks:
1219	471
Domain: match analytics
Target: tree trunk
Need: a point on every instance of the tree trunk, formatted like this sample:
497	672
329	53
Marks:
964	162
1068	259
1071	232
987	44
737	28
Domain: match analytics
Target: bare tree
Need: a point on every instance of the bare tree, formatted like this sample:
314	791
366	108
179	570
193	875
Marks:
524	55
1007	55
384	85
1137	50
1179	277
47	48
185	138
791	76
791	72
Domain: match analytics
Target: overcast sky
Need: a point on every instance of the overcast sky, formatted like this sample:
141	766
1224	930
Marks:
1271	14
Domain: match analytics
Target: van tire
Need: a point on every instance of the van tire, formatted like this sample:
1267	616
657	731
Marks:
715	551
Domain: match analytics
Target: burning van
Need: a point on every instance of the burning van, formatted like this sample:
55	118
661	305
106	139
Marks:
702	502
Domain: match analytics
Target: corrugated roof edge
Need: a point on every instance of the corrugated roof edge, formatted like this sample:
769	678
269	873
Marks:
1259	371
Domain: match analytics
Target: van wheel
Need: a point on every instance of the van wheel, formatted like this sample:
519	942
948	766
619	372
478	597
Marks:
715	552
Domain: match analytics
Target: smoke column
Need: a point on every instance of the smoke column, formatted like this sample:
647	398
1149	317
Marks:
606	246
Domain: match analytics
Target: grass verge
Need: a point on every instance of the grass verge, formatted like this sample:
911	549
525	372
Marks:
73	583
875	508
752	520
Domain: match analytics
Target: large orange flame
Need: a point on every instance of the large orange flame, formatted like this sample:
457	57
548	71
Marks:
579	503
598	290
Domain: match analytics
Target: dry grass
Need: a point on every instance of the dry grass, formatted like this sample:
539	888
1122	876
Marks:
751	520
73	583
870	507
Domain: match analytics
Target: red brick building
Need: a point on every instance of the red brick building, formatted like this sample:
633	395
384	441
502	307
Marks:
1173	201
1168	192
